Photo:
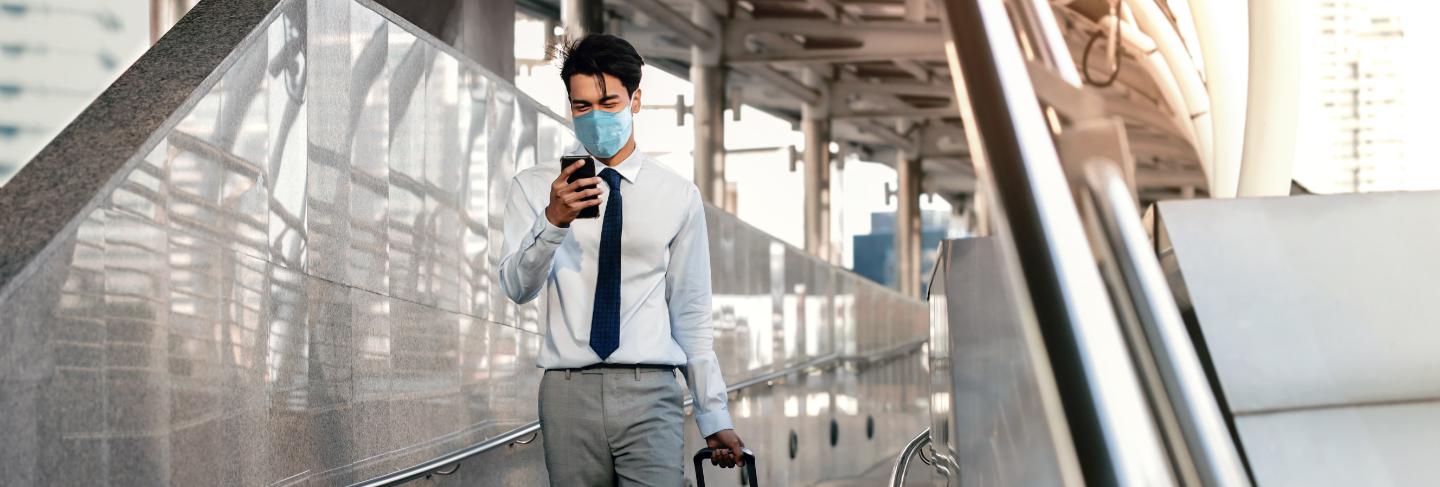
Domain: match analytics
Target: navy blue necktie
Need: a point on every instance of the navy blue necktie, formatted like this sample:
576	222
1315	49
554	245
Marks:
605	316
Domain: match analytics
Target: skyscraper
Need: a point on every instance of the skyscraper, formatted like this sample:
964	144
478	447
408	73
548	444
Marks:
55	57
1356	140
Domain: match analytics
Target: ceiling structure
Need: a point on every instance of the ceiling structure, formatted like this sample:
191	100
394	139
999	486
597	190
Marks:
879	68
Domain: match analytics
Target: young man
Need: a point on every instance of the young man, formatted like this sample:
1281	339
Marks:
628	294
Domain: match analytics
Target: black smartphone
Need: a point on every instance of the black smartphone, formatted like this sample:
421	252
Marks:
585	171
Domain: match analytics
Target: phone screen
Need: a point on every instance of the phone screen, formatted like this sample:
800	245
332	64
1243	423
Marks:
585	171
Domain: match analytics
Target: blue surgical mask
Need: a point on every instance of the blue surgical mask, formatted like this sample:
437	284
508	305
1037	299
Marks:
604	133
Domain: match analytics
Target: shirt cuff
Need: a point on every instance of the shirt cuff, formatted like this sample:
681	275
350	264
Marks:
713	421
550	233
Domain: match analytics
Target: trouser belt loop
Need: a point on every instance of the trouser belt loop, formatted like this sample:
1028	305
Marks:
637	372
567	374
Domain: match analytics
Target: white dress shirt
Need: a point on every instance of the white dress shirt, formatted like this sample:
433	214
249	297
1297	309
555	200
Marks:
664	276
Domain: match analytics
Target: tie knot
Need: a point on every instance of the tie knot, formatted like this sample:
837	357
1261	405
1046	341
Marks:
611	177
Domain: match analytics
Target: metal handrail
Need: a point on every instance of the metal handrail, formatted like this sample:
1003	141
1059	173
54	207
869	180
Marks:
432	466
513	437
902	464
1202	424
1016	161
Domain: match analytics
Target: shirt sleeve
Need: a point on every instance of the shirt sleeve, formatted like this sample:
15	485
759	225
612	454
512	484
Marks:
529	247
687	288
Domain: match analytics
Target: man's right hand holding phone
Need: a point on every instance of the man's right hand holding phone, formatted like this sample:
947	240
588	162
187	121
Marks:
568	198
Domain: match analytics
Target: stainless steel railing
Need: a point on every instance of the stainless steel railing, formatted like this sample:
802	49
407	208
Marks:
518	436
1017	163
912	449
1202	425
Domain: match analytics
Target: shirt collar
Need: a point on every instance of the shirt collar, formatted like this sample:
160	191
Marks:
628	169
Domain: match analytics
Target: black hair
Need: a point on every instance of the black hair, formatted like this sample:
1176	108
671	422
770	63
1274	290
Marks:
598	55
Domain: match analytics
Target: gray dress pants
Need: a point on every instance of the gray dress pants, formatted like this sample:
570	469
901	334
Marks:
613	427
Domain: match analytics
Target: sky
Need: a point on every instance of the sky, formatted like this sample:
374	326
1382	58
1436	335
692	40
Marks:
1422	77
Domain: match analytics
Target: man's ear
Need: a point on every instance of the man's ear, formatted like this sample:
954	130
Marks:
635	102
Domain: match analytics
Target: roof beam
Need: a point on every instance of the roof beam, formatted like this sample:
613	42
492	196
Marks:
843	88
681	24
879	41
915	10
833	11
783	81
1150	178
919	71
886	134
845	113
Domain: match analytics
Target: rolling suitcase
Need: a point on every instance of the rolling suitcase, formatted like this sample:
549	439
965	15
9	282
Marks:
704	455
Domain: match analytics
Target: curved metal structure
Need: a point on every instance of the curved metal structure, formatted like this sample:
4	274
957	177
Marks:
1202	424
1016	161
911	450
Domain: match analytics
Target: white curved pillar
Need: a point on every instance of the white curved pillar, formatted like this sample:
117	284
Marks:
1272	109
1222	27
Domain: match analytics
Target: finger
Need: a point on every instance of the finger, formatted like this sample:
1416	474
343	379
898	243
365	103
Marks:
568	197
580	183
568	170
572	197
735	450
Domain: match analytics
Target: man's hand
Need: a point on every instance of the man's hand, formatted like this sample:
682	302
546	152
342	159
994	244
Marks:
727	446
567	199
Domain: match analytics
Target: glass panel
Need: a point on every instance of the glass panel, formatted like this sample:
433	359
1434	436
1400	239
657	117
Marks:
288	135
369	143
406	212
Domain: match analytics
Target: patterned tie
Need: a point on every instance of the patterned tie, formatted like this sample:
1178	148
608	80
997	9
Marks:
605	316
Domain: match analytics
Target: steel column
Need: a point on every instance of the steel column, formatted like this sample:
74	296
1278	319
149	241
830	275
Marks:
708	78
907	224
582	17
815	124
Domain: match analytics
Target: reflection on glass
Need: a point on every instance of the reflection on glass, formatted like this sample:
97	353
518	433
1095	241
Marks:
294	285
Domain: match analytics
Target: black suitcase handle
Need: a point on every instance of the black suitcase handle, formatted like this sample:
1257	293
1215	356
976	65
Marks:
705	454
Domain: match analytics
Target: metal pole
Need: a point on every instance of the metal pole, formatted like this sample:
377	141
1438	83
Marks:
902	465
815	124
582	17
1016	161
1202	429
708	78
907	224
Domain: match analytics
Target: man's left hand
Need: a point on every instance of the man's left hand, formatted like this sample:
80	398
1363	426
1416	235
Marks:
727	446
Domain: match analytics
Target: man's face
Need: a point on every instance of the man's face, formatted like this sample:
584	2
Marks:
587	94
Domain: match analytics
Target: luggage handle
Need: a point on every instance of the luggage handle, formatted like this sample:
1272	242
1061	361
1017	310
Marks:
705	454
